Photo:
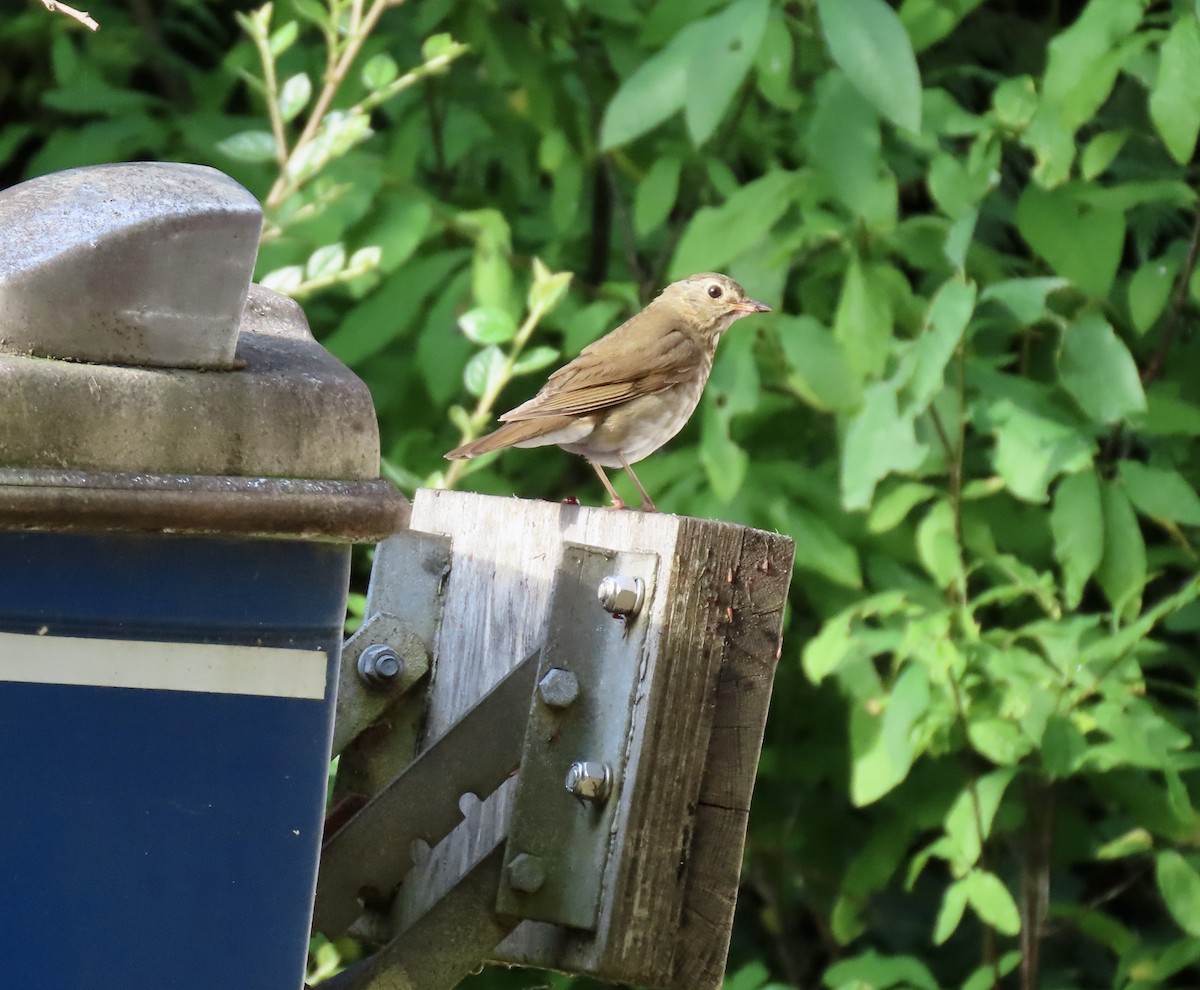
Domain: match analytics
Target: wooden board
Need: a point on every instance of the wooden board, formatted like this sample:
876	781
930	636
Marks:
713	623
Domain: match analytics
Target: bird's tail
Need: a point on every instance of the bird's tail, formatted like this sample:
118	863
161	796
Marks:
521	433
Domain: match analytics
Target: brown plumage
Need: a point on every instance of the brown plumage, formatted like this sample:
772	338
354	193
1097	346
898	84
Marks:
632	390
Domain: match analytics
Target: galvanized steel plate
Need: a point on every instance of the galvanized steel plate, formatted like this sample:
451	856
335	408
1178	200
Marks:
571	838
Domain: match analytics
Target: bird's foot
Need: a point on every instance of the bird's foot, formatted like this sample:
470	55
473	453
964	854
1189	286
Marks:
617	503
648	506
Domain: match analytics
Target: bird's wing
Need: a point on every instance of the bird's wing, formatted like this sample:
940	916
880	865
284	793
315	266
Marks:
605	374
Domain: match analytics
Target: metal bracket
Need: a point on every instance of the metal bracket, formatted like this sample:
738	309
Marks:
569	787
366	689
373	851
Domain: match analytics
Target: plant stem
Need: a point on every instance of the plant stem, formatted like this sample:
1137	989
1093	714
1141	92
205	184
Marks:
262	41
483	408
337	68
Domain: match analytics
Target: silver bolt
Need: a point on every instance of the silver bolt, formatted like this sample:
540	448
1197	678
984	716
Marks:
589	781
558	688
621	595
379	665
526	873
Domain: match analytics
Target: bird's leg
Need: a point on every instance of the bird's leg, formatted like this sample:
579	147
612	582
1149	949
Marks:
617	501
647	502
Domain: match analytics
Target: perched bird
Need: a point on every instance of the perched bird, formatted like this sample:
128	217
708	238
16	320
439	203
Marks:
632	390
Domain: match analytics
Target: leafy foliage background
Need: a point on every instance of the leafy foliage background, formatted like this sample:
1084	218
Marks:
976	408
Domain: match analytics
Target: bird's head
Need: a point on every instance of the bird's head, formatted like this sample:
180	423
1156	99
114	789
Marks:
710	302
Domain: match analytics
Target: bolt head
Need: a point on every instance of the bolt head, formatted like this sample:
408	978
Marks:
589	781
621	595
379	665
558	688
526	873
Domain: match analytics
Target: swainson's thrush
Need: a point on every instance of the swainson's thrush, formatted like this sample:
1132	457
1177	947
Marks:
632	390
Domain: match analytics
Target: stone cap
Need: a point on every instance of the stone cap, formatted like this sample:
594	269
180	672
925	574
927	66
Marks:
145	263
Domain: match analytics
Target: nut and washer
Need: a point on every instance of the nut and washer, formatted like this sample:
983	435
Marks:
589	781
526	873
379	665
621	595
558	688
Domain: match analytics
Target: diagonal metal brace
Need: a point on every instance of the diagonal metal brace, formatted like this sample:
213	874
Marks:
373	851
445	944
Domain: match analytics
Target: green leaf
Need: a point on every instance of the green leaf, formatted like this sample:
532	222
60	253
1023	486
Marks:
1179	884
1077	523
718	234
535	359
993	903
774	63
488	325
999	740
283	38
325	261
294	95
1015	101
1175	99
725	463
379	70
484	371
1025	297
1100	151
285	280
723	55
249	146
844	142
1032	450
656	194
437	46
879	441
937	545
1081	242
929	21
1122	571
820	549
548	288
397	226
893	507
974	809
1149	290
869	43
945	323
950	913
863	322
870	970
817	367
1161	493
881	745
1096	368
654	91
392	308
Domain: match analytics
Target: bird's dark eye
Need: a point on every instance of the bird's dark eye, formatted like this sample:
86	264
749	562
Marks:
714	291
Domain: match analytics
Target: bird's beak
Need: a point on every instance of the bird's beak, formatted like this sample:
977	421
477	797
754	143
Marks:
752	306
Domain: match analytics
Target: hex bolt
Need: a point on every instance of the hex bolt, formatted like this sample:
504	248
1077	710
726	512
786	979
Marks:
558	688
621	595
379	665
589	781
526	873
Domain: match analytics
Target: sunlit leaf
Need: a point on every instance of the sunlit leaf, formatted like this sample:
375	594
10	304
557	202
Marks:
869	43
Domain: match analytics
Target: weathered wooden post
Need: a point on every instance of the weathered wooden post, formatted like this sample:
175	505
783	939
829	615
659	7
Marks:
615	847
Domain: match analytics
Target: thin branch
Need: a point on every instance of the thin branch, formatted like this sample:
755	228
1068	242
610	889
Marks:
82	16
483	408
262	41
1154	367
338	69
